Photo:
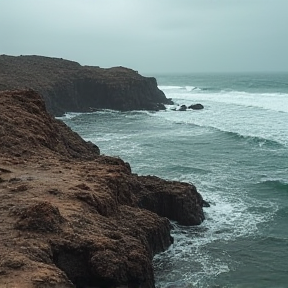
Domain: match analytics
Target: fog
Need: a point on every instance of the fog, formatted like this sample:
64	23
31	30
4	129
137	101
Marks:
151	36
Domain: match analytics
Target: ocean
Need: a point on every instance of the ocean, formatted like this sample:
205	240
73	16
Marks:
235	151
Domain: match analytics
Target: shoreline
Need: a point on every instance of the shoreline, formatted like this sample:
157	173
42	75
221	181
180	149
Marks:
71	217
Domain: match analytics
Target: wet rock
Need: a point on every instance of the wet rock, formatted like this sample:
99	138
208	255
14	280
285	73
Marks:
182	108
196	106
205	204
175	200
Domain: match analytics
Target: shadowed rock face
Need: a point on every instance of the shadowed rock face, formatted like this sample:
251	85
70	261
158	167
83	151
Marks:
66	86
175	200
72	218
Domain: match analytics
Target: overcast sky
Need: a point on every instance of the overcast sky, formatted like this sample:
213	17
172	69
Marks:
151	35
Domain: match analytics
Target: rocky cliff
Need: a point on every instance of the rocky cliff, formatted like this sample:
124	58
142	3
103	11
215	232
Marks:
70	217
66	86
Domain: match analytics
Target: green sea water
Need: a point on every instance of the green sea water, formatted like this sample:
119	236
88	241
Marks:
235	151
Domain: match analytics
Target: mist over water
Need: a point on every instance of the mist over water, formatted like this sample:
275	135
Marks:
235	151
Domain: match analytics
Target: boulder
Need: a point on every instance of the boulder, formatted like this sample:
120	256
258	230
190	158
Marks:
182	108
196	106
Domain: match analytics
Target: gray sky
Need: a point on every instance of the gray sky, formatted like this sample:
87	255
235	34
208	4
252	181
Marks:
151	35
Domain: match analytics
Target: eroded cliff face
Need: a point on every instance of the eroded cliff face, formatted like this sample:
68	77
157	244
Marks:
26	128
70	217
66	86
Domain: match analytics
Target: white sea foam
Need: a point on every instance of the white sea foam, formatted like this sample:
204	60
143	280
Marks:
270	101
227	219
69	115
264	116
170	87
190	88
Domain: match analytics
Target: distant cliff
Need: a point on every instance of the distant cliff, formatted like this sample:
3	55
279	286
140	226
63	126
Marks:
66	86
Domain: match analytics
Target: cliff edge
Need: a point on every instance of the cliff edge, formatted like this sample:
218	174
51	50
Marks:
72	218
66	86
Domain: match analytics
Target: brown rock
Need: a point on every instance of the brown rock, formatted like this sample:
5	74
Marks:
70	217
26	128
175	200
42	217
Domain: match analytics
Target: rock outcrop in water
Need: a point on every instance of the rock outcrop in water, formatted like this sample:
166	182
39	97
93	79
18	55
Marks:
71	217
193	107
66	86
175	200
197	106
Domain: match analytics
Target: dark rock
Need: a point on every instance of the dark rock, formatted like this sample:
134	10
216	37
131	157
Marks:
19	188
54	191
205	204
14	180
175	200
182	108
196	106
3	170
66	86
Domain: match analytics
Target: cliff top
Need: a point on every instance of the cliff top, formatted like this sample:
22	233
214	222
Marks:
32	70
